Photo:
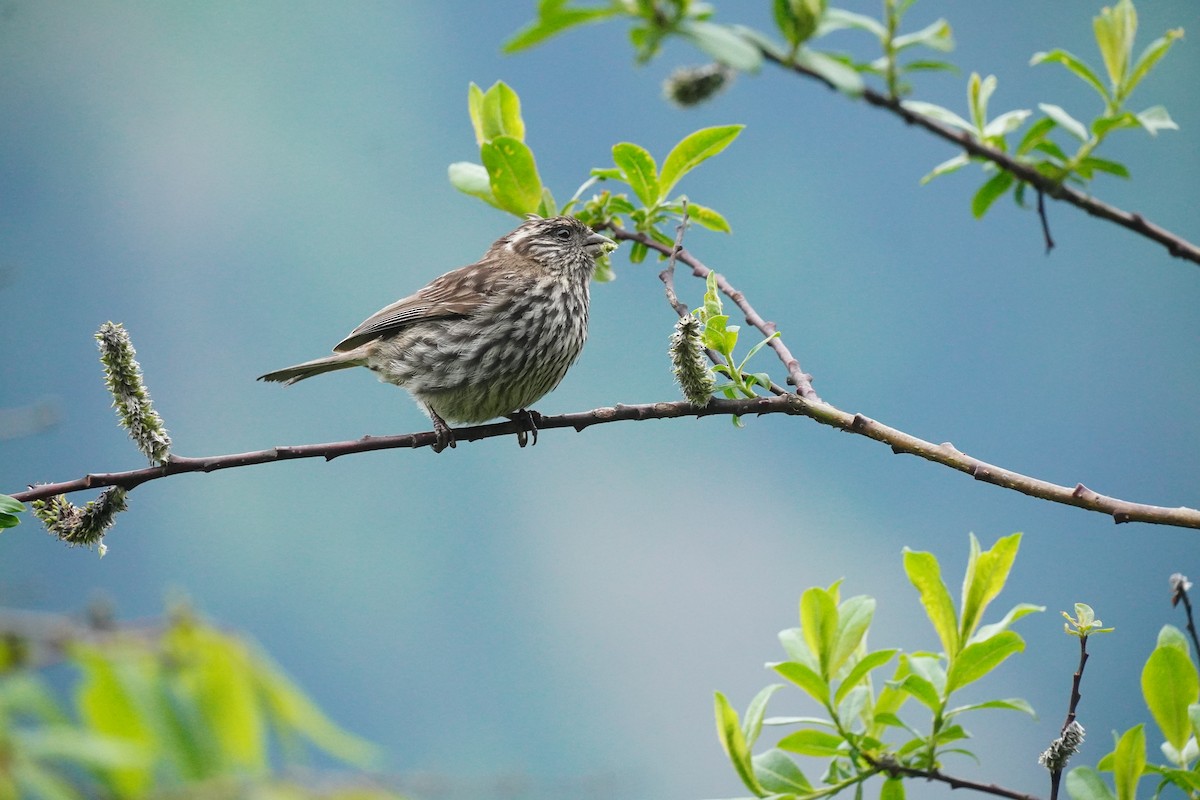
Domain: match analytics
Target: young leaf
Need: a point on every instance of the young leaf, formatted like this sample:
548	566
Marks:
837	19
853	619
922	689
734	743
1036	133
946	167
936	36
819	622
1011	704
804	677
992	190
892	789
979	658
925	574
638	170
938	113
753	721
820	744
552	24
472	179
986	573
1155	119
1101	126
1149	57
475	109
695	148
1170	685
1006	123
722	44
778	773
513	174
1103	165
1115	29
856	675
1129	761
841	76
1072	125
1075	65
1014	614
1084	783
501	113
706	217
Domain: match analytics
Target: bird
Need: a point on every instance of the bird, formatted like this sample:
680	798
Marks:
486	340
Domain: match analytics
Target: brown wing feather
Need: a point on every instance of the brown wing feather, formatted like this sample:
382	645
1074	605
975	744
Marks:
455	294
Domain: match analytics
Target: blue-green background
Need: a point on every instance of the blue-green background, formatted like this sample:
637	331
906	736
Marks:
240	184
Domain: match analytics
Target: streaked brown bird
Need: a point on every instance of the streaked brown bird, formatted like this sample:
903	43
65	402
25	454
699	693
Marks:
486	340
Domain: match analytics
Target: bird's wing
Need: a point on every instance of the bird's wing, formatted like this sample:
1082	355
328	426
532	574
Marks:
455	294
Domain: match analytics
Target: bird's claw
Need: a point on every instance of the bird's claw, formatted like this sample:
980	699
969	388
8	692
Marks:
443	432
528	422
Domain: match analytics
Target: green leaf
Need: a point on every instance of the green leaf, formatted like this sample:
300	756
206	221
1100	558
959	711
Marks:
1103	165
549	25
1006	123
936	36
1149	57
838	18
1170	685
9	521
1170	636
753	721
979	658
991	191
1084	783
722	44
1014	614
922	689
858	672
926	575
1129	761
804	677
1036	133
819	622
820	744
946	167
1010	704
475	109
778	773
1155	119
691	151
638	170
734	743
853	618
707	218
111	698
637	253
501	113
841	76
512	174
892	789
1115	29
472	179
1069	123
1101	126
1075	65
937	113
986	573
10	505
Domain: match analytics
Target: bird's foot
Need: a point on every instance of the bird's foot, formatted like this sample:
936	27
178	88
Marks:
443	432
528	421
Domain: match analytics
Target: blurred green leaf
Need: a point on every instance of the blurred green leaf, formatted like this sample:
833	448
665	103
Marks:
1084	783
1170	685
10	505
856	675
797	20
992	190
839	18
1170	636
1149	57
946	167
1115	29
1006	123
708	218
820	744
1062	118
691	151
979	658
732	740
1015	613
1010	704
1101	126
1036	133
1103	165
892	789
110	698
922	689
1155	119
841	76
936	36
513	174
1075	65
638	170
475	109
777	773
1129	762
806	678
752	723
938	113
472	179
551	24
925	574
819	623
722	44
853	618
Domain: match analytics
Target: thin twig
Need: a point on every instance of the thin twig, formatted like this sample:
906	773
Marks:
1041	210
667	276
1076	696
790	404
1180	594
796	376
894	769
1176	245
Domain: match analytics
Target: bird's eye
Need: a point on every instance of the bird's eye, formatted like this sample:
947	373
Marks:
562	234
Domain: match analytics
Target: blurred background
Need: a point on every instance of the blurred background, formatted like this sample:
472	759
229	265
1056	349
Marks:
241	184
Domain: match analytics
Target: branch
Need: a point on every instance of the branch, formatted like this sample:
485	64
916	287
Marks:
1176	245
790	404
888	765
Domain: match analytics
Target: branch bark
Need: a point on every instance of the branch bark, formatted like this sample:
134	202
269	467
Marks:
1176	245
790	404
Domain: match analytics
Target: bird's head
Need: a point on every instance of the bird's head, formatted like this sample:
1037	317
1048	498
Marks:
557	244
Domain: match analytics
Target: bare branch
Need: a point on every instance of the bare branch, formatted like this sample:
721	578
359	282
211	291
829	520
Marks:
894	769
791	404
1176	245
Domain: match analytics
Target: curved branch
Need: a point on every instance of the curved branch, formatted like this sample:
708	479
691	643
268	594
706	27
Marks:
791	404
1176	245
889	765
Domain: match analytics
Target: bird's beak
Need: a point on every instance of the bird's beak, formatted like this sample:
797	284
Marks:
597	244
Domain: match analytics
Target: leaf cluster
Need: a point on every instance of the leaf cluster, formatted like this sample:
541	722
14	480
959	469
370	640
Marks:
187	705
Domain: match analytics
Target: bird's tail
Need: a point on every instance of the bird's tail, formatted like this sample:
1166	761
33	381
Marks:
299	372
